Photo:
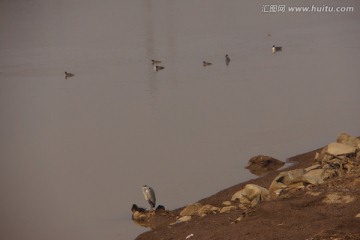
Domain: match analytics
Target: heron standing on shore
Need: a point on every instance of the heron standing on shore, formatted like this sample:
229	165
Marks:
149	195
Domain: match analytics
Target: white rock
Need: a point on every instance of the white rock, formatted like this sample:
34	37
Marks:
315	176
338	149
238	195
184	219
189	236
207	209
226	203
191	209
348	140
251	192
227	209
284	180
313	167
181	219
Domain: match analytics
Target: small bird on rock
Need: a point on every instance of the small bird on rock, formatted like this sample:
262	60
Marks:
135	208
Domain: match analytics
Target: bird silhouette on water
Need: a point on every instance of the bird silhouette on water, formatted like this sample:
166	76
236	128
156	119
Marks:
153	61
227	60
205	63
68	75
276	49
158	68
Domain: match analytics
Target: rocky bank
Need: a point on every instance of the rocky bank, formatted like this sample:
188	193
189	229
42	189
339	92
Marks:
316	198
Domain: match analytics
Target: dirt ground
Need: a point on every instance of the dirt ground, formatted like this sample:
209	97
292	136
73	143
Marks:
326	211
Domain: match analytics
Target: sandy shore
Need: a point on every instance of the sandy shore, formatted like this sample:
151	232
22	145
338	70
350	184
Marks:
304	215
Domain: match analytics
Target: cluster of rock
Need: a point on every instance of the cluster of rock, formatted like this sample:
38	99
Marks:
340	156
244	199
195	209
261	164
142	216
336	159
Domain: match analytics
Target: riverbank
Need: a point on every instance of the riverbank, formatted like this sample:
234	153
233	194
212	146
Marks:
326	211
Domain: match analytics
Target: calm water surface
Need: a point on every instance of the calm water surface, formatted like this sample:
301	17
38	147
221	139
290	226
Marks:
74	153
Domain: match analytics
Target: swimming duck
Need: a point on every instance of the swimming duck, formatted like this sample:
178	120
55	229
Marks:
158	68
276	49
153	61
206	63
68	75
227	59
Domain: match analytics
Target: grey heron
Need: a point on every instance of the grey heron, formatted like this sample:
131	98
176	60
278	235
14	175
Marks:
149	195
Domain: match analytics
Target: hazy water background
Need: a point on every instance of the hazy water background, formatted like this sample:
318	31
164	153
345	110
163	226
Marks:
74	153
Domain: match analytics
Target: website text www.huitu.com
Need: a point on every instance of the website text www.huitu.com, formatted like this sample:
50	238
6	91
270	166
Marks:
273	8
